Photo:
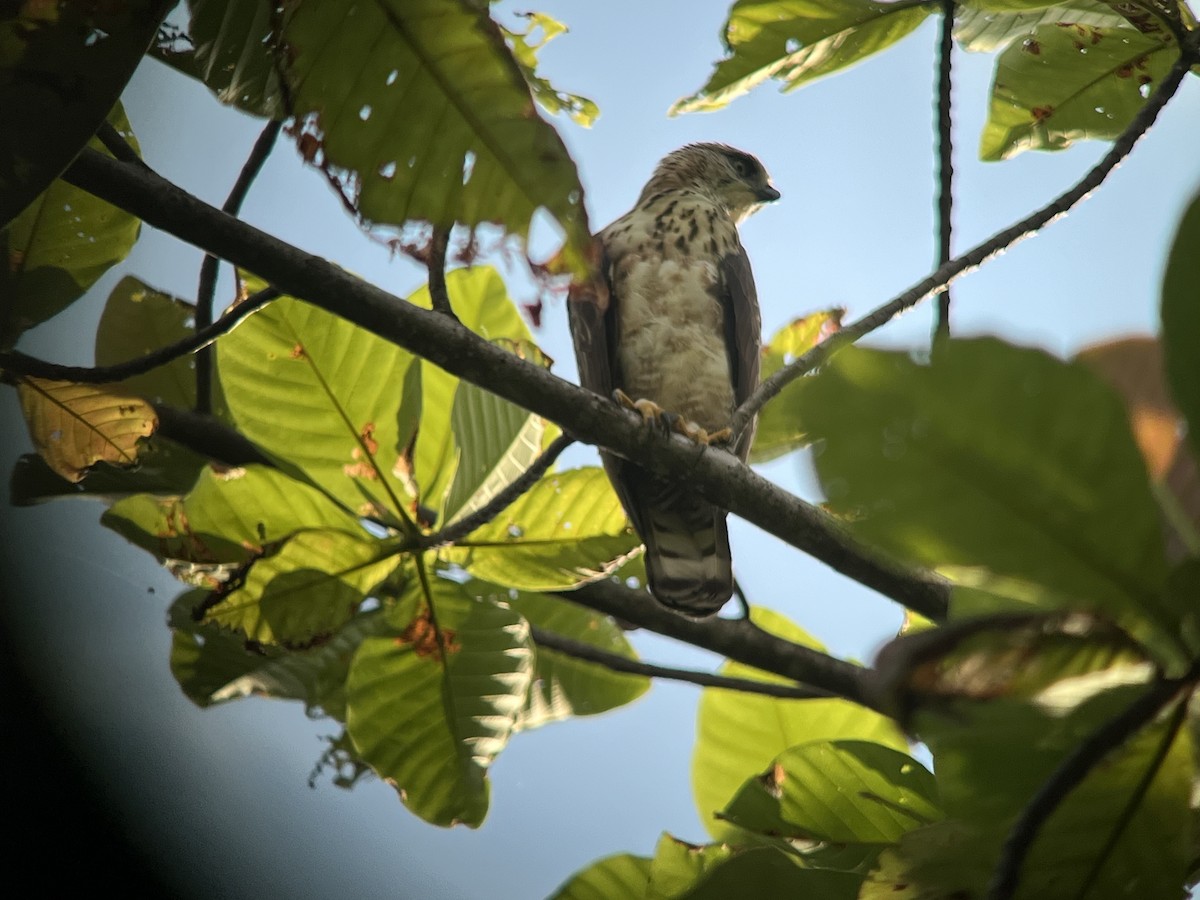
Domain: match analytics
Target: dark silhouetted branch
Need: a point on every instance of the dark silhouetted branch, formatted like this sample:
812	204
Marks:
438	292
945	165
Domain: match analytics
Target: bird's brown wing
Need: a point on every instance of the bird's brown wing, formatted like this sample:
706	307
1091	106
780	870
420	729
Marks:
743	333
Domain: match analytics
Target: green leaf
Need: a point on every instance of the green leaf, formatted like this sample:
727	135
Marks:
62	67
138	319
797	41
163	467
779	429
475	149
231	52
498	439
58	247
302	590
983	29
525	46
562	685
429	710
481	302
567	529
738	734
613	878
322	397
1000	467
848	792
1181	319
1124	829
228	517
1070	82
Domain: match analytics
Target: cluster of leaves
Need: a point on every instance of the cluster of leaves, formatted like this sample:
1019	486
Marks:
318	575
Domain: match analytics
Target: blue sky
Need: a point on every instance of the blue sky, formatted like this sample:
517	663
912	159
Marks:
222	794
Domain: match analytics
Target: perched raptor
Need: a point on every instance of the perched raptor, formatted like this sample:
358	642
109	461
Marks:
676	335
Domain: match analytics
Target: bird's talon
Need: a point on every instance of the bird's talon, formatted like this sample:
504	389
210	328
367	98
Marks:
724	436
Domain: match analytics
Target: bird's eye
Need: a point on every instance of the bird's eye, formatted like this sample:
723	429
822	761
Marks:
741	166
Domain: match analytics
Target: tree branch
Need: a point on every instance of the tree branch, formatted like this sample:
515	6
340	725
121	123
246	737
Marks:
945	167
206	290
722	478
207	436
21	364
456	531
436	263
617	663
973	258
1071	772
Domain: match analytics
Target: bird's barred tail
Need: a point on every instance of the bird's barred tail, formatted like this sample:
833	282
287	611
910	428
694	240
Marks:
688	562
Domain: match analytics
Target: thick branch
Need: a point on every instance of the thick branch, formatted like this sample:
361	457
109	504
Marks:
429	334
617	663
207	436
973	258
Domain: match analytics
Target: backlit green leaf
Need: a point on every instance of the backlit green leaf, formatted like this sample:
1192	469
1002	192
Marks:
999	467
621	876
1181	319
525	46
982	29
429	710
472	148
797	41
738	734
1070	82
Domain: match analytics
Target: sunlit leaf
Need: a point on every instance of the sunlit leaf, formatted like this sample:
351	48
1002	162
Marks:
567	529
525	45
837	791
58	247
472	149
228	517
498	442
984	29
1070	82
231	51
622	875
431	706
302	589
797	41
779	428
1000	465
74	426
323	398
62	67
738	734
562	685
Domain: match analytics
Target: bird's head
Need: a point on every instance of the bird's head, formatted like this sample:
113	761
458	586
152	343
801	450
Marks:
734	179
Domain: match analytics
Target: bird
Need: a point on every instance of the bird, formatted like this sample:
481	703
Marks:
670	327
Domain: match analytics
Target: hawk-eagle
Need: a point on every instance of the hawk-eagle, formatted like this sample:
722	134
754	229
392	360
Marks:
674	331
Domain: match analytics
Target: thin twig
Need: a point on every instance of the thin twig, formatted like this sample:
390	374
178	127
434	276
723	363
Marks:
456	531
438	292
1072	771
617	663
974	257
945	151
21	364
206	290
720	476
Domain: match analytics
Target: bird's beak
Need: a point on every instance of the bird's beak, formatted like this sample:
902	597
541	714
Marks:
768	194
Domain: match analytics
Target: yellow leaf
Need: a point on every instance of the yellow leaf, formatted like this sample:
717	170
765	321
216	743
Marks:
74	426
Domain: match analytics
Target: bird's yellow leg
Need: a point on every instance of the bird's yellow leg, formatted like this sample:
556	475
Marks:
652	412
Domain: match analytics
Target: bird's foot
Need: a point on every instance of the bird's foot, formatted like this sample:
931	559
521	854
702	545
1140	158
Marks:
651	412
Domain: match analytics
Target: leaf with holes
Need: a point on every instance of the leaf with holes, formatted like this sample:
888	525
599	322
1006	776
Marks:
1070	82
473	150
797	41
431	706
567	529
980	29
74	426
323	398
738	735
525	46
303	589
58	247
